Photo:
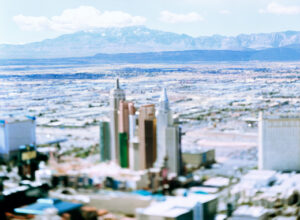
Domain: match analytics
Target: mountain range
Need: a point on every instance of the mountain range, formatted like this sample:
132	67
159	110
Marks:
186	56
140	39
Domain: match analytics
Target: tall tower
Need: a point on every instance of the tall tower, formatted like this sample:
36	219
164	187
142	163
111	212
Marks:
147	136
116	95
164	120
124	133
133	138
173	149
104	142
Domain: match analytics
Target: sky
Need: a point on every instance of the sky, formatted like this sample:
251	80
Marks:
24	21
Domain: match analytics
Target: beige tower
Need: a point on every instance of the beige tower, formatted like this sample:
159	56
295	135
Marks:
124	134
123	117
147	136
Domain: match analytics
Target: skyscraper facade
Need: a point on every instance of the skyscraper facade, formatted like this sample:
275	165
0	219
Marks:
133	138
124	153
116	95
124	133
173	152
279	142
164	120
104	141
168	137
147	136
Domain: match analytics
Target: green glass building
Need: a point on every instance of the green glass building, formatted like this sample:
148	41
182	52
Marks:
104	142
124	154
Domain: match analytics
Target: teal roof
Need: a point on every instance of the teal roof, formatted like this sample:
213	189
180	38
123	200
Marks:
41	205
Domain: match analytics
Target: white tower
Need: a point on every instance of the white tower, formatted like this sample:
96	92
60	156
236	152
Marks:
133	139
279	142
164	120
116	95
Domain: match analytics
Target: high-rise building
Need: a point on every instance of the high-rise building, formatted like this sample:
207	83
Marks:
124	133
173	149
279	142
132	121
123	117
168	137
116	95
180	159
124	152
133	138
164	120
147	136
104	142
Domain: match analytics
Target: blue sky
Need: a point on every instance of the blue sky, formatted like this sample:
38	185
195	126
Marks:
25	21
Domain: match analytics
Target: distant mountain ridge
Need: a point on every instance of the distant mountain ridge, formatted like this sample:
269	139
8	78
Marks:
139	39
175	57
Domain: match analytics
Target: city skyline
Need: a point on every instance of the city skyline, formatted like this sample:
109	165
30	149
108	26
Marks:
210	151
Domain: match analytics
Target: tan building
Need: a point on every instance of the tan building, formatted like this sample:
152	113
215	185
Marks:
124	133
198	158
147	136
123	117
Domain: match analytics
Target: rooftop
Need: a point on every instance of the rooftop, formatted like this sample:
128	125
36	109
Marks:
16	119
42	204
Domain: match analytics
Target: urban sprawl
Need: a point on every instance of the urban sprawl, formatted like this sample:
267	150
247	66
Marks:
199	141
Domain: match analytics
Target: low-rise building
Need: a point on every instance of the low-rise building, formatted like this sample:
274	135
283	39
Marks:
250	213
199	158
193	207
15	133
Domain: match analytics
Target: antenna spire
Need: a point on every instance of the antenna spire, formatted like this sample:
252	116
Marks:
164	96
164	101
117	84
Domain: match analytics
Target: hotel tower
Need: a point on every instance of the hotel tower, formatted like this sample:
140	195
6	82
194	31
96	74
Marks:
116	95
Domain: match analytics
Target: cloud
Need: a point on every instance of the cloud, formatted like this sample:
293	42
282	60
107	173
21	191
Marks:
275	8
31	23
81	18
225	12
170	17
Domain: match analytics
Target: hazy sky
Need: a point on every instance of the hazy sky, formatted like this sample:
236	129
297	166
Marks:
33	20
